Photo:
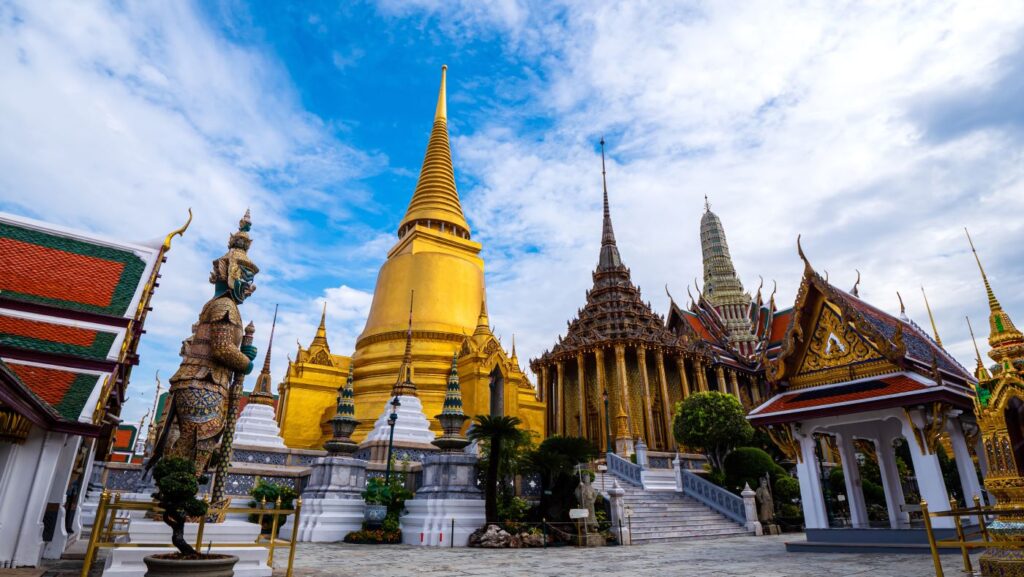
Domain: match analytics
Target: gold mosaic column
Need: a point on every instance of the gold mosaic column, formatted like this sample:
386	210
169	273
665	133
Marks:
684	382
659	359
735	386
755	391
582	383
620	369
560	424
544	394
720	378
602	385
698	369
641	357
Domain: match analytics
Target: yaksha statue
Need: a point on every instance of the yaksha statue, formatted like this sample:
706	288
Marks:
211	358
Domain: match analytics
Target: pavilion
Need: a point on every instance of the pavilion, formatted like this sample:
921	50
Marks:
852	372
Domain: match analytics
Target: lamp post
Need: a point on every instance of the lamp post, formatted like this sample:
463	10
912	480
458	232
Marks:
607	424
391	437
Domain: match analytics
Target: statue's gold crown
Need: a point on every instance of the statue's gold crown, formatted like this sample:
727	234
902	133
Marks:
226	267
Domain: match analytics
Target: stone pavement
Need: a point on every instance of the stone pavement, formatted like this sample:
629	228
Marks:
739	556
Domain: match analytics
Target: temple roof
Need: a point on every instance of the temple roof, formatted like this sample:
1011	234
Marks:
436	198
823	311
614	311
72	308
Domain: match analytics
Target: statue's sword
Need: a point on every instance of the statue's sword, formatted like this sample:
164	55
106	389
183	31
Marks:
218	501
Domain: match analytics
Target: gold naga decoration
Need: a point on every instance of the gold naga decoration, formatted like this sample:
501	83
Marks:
782	437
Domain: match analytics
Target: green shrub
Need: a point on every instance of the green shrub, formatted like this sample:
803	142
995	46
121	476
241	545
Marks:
748	465
177	485
513	509
785	489
712	422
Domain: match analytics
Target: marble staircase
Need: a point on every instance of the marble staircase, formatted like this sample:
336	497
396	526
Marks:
664	516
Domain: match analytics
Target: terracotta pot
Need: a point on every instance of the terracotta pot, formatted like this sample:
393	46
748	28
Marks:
223	566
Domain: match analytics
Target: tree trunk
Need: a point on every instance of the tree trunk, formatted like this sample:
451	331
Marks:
177	525
491	493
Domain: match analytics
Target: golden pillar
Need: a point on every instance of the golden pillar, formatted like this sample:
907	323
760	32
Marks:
755	391
659	360
698	371
544	396
735	386
620	370
720	378
683	379
582	381
641	357
561	414
602	384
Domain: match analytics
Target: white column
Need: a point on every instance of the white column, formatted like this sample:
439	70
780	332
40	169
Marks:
810	485
851	476
964	464
894	499
929	476
58	495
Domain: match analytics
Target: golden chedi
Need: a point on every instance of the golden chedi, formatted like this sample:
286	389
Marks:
1000	409
436	259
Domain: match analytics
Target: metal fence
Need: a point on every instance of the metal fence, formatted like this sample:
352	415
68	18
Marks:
106	531
964	536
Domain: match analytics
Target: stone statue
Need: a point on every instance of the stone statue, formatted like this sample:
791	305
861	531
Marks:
585	496
765	503
211	358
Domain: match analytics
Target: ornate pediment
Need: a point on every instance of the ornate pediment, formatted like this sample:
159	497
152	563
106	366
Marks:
835	351
321	357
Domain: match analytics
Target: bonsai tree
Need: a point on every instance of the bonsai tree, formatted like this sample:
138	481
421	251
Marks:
177	485
713	423
495	431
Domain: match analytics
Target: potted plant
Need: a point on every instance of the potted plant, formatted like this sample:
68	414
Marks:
377	496
177	486
270	493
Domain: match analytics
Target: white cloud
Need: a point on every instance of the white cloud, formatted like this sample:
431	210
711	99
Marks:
792	118
117	117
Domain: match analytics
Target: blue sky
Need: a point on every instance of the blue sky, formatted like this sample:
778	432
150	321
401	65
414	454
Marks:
877	132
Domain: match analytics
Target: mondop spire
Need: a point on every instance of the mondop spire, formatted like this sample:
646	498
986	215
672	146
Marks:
610	258
435	202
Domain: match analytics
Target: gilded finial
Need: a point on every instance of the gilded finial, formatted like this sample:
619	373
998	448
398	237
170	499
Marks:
670	299
803	257
321	331
993	303
442	97
177	232
854	291
935	330
775	287
707	204
826	276
980	371
903	309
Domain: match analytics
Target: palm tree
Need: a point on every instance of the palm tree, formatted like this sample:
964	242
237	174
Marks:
495	431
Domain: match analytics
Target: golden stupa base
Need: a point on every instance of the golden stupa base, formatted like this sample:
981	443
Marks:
1002	563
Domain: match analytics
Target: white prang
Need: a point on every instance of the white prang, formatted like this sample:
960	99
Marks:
412	425
257	427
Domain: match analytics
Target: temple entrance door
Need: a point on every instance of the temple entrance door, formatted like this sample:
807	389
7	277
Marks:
497	392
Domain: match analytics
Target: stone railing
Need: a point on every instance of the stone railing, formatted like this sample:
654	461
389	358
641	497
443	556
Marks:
625	470
714	496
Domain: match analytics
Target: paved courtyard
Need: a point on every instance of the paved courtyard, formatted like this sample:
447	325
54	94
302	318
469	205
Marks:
755	556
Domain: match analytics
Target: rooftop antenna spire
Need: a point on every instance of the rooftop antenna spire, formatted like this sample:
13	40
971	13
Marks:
935	331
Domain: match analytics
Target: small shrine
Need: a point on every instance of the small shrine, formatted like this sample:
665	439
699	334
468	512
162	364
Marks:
850	375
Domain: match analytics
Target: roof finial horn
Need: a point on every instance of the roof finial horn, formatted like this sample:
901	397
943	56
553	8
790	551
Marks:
935	330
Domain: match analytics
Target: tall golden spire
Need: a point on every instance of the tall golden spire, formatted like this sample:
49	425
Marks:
435	202
1006	341
261	392
935	330
404	385
321	331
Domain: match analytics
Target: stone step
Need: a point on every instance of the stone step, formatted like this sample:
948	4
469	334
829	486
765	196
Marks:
638	540
708	525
